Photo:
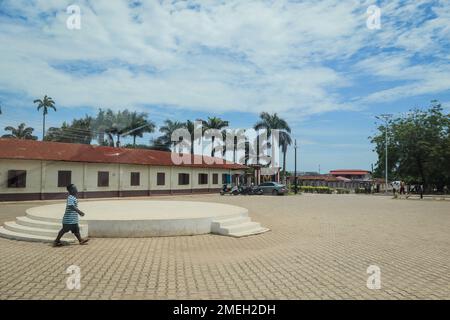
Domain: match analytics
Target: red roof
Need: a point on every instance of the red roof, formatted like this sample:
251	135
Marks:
318	178
349	172
57	151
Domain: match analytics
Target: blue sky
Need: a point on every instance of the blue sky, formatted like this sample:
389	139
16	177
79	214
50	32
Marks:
315	63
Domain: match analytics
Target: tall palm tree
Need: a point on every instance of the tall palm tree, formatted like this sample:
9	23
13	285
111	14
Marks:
233	145
214	123
271	122
21	132
285	141
139	125
45	104
120	125
190	126
167	129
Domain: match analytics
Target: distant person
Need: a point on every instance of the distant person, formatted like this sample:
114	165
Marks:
402	187
70	219
421	191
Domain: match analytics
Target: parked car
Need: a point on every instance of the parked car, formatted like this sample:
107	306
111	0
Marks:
273	188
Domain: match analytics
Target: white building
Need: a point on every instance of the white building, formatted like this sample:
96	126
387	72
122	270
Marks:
35	170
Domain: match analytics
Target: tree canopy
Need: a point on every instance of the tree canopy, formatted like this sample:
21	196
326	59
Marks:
418	147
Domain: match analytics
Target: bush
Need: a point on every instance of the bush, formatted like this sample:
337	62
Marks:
311	189
342	191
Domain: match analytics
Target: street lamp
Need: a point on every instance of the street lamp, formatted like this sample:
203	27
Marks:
385	117
295	166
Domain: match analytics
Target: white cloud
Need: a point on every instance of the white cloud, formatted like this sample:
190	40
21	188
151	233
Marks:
224	56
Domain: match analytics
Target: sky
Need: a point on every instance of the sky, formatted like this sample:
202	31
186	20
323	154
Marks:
321	65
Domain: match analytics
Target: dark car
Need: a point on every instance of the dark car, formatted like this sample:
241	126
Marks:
273	188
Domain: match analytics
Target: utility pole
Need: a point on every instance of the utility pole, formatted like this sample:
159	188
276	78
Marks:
295	166
385	117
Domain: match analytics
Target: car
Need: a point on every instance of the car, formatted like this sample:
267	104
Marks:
273	188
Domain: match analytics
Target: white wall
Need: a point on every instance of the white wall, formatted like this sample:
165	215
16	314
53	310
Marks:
85	175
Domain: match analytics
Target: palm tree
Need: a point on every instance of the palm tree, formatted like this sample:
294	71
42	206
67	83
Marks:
233	145
167	130
21	132
285	141
138	126
214	123
121	121
272	122
45	104
112	125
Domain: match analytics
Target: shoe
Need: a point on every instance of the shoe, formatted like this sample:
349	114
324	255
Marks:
84	241
57	244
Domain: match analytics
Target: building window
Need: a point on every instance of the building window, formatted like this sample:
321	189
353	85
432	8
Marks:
135	179
215	178
202	178
225	178
103	179
17	178
183	179
64	178
161	179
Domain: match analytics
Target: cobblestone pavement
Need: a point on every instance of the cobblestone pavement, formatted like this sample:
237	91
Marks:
319	247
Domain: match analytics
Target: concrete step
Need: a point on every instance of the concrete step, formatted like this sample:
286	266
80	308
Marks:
13	226
240	227
248	232
222	223
46	219
27	221
29	237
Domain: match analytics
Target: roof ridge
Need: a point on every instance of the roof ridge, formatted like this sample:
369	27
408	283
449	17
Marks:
77	152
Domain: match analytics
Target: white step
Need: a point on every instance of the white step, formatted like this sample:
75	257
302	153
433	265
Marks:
217	224
26	221
28	237
46	219
13	226
240	227
41	224
248	232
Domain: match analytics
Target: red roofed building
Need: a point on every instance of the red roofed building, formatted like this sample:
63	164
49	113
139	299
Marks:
31	170
351	174
343	178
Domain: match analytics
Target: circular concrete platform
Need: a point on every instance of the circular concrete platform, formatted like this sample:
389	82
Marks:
143	218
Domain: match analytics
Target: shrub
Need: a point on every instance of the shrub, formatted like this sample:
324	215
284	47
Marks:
342	191
311	189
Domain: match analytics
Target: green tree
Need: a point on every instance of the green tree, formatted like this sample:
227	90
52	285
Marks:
418	147
138	125
273	122
21	132
165	140
214	123
45	104
79	131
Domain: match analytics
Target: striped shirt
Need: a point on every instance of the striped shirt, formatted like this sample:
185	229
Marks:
71	216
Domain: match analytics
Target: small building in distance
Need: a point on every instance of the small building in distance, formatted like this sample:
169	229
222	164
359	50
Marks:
343	178
352	174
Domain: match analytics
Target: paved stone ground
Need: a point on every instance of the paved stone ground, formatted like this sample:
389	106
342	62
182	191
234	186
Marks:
319	248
